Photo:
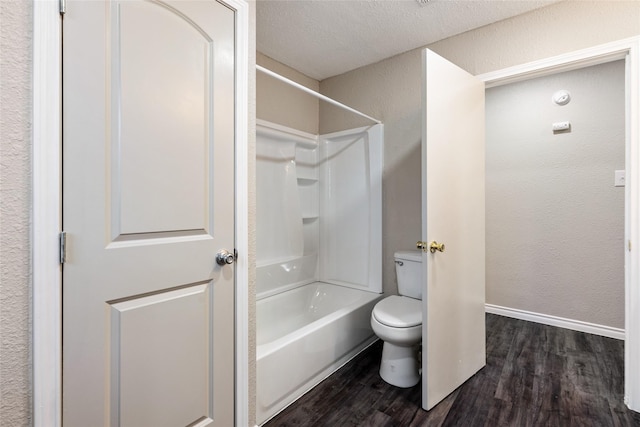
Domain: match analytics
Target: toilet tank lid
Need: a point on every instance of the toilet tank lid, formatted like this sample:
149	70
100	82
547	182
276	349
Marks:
398	312
409	255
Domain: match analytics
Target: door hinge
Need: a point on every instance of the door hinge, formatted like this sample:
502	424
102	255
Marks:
63	247
63	6
629	245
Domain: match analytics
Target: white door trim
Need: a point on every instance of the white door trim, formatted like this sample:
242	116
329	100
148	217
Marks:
629	50
47	213
242	212
47	218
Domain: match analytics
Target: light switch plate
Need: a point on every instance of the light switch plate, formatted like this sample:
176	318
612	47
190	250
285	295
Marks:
619	178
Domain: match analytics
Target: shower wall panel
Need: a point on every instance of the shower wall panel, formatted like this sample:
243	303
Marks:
287	209
351	206
318	208
279	228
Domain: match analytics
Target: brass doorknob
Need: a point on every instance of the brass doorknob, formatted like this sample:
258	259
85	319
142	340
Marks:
432	246
435	246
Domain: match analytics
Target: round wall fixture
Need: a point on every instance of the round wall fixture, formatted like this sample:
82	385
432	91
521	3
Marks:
561	97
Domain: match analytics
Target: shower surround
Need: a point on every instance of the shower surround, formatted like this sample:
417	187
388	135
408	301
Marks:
319	255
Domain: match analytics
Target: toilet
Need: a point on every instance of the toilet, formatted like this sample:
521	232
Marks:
397	320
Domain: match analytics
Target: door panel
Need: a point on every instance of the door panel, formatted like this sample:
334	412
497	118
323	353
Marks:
453	214
148	202
148	338
162	113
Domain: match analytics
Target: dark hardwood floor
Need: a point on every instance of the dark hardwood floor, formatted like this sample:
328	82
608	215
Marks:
536	375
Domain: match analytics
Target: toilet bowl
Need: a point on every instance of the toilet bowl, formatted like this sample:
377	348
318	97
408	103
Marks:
397	320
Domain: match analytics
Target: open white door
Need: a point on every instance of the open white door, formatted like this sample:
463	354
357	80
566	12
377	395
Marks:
453	327
148	189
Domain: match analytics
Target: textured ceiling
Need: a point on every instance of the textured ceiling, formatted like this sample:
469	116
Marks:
324	38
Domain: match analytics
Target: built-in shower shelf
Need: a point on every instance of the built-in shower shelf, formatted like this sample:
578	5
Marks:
304	181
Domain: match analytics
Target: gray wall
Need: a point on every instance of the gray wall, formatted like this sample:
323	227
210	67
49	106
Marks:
390	91
555	221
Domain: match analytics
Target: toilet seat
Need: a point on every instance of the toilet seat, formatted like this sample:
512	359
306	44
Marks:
398	312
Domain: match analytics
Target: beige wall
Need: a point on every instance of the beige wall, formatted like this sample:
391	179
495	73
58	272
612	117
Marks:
252	213
280	103
15	213
390	91
555	221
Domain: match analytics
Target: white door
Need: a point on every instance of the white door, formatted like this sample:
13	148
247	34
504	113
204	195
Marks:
148	189
453	327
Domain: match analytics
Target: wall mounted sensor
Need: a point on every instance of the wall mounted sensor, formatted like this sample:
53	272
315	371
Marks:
561	127
561	97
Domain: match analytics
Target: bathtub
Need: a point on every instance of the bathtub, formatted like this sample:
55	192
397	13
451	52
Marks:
304	335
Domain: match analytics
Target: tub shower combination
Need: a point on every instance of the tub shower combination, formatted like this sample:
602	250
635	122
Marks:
318	256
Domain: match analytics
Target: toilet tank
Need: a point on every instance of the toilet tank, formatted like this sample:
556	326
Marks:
409	273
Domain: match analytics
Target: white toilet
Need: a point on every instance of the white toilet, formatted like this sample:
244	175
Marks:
397	320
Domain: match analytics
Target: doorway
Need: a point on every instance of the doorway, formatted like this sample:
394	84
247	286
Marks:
629	51
555	219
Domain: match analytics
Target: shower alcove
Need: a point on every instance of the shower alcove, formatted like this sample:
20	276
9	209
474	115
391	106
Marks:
318	255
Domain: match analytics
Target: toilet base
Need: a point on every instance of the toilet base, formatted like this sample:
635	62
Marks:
399	365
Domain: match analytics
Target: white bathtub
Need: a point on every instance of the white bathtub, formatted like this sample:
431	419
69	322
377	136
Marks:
304	335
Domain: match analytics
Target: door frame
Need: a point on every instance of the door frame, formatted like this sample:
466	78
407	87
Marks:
47	212
629	50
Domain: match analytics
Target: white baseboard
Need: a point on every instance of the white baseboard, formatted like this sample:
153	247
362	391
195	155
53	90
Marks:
560	322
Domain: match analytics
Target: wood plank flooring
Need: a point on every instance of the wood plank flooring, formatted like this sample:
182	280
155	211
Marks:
536	375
